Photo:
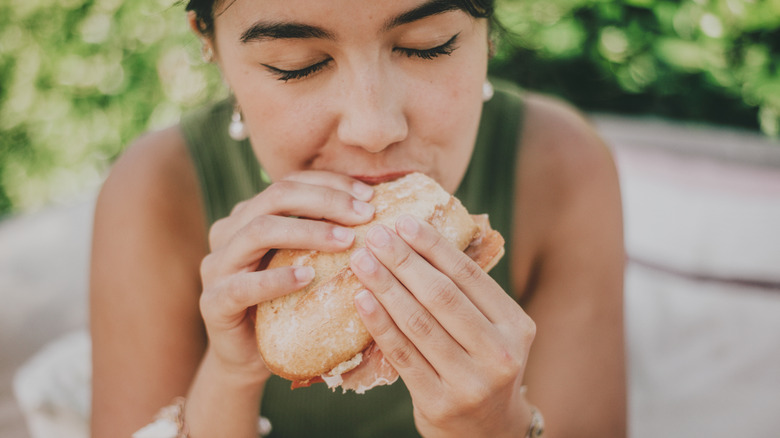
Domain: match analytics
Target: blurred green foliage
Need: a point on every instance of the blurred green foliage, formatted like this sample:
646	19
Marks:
79	79
715	61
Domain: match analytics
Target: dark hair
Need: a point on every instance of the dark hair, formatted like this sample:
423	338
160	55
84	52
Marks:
204	11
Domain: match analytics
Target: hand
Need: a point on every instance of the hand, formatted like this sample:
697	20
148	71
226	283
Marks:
282	216
458	341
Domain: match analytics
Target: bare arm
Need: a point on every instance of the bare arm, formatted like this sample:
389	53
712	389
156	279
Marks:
569	270
149	237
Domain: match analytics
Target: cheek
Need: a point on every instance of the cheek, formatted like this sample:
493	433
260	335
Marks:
450	113
285	135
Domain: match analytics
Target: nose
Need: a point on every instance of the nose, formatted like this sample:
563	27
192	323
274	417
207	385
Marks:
372	113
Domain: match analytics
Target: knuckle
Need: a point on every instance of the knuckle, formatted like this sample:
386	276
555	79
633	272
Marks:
443	293
207	267
226	296
206	303
436	242
276	191
467	270
216	232
331	197
507	362
239	207
402	355
405	261
382	330
506	368
279	192
529	333
421	323
474	398
235	295
257	225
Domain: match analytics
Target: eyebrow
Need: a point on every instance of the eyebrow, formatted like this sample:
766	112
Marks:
277	30
425	10
263	30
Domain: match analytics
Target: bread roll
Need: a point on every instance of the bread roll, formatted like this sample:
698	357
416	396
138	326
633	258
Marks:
315	330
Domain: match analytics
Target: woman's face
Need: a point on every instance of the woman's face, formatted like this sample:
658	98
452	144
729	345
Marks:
368	88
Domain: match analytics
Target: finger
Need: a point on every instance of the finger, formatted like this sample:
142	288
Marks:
436	292
293	198
413	319
248	246
224	305
402	354
476	285
356	188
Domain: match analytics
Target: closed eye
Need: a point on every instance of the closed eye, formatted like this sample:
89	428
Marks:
444	49
287	75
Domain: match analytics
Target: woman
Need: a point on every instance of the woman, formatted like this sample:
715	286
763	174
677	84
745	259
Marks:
335	96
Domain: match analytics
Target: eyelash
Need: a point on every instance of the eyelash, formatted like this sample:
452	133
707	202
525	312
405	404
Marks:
444	49
427	54
289	75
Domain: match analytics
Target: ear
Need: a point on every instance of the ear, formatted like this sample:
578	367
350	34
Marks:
192	19
491	48
207	47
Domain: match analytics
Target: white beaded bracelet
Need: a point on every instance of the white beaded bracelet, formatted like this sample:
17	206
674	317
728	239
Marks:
536	429
169	423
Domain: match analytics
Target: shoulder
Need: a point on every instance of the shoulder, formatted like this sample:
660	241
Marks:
154	179
561	145
567	190
149	211
158	158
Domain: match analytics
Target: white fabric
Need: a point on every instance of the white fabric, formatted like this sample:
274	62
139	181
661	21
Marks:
53	388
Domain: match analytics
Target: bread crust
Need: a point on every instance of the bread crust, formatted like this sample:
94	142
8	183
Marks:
311	331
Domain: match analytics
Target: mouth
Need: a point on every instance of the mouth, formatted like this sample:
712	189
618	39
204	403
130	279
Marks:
377	179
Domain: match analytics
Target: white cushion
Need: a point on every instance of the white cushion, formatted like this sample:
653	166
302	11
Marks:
692	203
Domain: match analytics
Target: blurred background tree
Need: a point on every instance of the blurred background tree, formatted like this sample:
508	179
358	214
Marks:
714	61
79	79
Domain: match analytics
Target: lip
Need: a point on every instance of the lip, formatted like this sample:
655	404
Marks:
385	177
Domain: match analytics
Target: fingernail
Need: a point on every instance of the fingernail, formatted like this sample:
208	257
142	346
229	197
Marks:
304	274
366	302
362	191
364	261
342	234
408	226
362	208
378	236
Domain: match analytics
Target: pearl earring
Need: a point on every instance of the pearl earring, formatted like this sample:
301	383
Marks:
206	53
236	129
487	90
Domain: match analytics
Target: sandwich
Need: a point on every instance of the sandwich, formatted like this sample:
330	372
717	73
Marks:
315	334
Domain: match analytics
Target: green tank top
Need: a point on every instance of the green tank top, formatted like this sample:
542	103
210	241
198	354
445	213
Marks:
229	173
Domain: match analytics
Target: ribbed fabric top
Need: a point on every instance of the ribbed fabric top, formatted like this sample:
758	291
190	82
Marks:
229	173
